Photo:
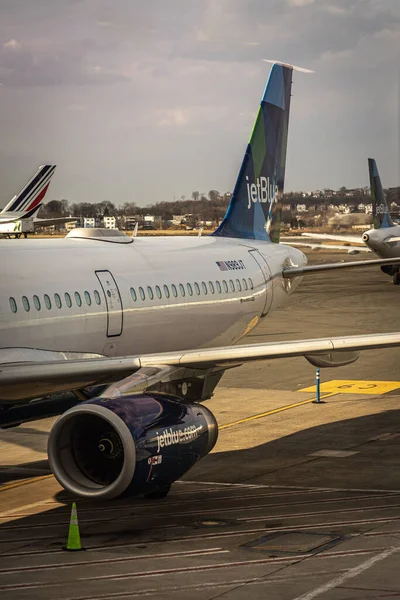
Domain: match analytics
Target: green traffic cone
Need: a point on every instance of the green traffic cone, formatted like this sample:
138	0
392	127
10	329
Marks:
74	539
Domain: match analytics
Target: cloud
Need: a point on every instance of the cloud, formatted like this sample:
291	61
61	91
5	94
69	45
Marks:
341	11
177	117
20	66
169	70
300	2
108	24
12	44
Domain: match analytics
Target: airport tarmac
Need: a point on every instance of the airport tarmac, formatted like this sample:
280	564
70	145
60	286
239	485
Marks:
297	500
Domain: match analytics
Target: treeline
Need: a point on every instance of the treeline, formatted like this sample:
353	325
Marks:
210	207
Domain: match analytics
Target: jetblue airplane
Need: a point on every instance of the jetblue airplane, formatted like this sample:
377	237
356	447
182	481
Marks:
384	238
19	217
142	330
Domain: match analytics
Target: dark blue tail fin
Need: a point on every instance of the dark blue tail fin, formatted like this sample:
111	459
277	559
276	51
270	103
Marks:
380	208
255	208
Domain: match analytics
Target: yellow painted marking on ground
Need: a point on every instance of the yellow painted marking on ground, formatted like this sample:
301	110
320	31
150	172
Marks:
349	386
16	484
273	412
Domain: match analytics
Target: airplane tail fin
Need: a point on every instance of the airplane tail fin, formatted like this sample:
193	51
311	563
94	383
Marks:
28	201
380	208
255	208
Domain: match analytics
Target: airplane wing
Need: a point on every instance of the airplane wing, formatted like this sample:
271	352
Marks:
333	236
349	249
32	379
55	221
290	272
8	221
42	222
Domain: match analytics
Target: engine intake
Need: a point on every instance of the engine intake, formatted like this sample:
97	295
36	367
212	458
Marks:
136	444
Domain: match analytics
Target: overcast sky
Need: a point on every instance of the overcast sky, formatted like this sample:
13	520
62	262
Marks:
143	101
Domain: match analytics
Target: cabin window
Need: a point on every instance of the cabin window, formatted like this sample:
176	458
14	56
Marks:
78	299
189	289
13	305
218	286
142	294
203	285
88	298
25	303
174	290
251	283
232	285
158	292
244	284
36	302
68	300
197	288
47	301
97	296
239	287
182	289
150	292
166	291
225	285
133	294
211	286
57	300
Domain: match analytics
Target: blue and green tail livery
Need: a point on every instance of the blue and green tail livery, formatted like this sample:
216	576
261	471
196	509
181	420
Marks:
255	208
380	209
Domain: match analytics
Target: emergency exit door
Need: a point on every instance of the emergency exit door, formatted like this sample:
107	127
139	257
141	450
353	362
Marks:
113	303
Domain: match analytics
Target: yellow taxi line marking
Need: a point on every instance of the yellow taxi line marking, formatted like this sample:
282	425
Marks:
355	386
273	412
16	484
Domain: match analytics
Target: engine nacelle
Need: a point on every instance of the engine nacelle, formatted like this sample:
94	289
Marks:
129	445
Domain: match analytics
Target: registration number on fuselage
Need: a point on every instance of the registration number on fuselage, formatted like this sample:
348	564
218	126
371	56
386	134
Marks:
230	265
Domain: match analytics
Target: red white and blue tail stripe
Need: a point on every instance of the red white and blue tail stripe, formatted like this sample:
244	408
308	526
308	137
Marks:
28	201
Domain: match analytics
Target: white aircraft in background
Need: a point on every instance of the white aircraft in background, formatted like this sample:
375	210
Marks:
142	329
384	238
19	216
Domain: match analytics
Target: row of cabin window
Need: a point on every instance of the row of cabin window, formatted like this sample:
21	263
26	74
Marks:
194	288
57	301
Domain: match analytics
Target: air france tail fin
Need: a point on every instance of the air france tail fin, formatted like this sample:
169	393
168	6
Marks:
254	211
380	209
28	201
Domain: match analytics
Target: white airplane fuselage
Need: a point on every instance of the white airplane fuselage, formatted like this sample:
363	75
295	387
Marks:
107	318
380	241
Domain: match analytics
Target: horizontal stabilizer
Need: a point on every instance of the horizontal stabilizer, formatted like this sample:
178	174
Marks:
289	66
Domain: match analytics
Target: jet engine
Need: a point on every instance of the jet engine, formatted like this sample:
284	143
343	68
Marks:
130	445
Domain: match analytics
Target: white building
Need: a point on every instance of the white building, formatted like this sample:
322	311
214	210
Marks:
88	222
109	222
